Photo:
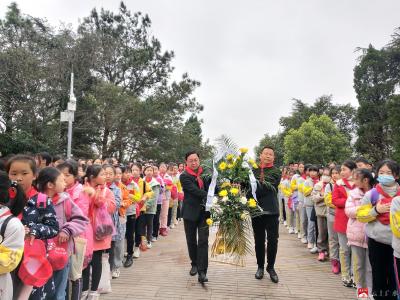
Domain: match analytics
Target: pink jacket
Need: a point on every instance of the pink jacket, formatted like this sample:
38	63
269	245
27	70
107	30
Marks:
71	220
83	201
105	198
356	234
74	191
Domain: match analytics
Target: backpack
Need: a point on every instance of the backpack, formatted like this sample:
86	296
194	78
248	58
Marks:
4	227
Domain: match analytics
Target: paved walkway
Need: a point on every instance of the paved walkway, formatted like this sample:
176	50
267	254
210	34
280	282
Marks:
162	273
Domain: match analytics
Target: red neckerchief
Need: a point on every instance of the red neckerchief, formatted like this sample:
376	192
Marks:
304	176
315	180
55	199
347	184
109	184
197	175
387	199
266	166
31	192
148	180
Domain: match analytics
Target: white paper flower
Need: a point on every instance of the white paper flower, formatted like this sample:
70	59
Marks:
215	200
243	200
224	199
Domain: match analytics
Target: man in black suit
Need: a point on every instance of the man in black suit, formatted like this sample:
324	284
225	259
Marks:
195	216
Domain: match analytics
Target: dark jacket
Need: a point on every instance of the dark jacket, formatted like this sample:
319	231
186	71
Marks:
267	190
194	202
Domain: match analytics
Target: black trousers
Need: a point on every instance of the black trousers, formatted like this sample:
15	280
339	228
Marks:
383	275
156	221
284	209
130	233
179	210
269	224
197	242
146	226
96	267
169	216
139	230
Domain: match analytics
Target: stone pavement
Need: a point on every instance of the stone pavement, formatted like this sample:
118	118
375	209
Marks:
163	273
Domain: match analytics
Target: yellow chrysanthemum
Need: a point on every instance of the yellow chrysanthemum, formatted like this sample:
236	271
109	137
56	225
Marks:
244	150
252	203
234	191
243	216
230	157
230	166
223	193
225	184
255	166
209	222
222	166
252	161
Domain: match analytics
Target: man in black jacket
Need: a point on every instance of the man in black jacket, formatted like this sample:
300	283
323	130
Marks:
194	215
268	178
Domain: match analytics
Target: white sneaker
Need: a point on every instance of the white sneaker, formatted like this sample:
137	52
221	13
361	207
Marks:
299	235
84	295
314	249
93	296
136	252
153	239
172	226
284	223
291	230
116	273
149	245
296	231
310	246
304	240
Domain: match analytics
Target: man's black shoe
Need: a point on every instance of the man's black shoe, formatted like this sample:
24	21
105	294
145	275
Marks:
273	276
203	277
193	271
128	262
260	273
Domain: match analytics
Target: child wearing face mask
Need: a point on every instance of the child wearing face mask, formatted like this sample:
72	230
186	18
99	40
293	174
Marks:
356	237
321	211
375	211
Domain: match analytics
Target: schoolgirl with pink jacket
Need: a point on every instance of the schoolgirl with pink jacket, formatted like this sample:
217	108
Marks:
356	235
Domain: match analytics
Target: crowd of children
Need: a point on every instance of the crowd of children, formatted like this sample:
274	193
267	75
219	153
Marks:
63	221
349	213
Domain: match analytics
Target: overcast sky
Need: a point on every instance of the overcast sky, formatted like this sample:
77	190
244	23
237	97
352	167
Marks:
253	56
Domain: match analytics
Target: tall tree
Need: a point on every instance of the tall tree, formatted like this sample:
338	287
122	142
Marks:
317	141
374	86
342	114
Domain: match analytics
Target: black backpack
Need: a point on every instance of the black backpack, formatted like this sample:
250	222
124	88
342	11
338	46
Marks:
4	227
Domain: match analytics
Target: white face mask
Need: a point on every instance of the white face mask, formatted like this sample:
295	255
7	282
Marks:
326	178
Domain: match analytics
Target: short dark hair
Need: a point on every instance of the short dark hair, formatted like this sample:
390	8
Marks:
349	164
190	153
363	160
313	168
269	147
92	172
391	164
46	175
71	165
56	158
25	158
45	156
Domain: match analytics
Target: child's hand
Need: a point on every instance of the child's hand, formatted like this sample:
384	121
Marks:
382	208
63	237
31	238
27	230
